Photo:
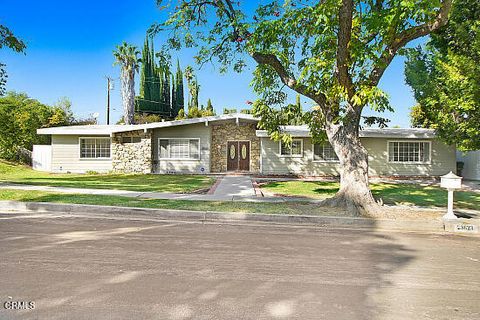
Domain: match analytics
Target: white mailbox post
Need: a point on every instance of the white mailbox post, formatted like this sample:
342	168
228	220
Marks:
450	181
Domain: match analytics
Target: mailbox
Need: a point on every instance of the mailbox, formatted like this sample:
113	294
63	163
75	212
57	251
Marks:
451	181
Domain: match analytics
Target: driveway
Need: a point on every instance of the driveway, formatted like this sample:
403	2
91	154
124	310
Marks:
92	267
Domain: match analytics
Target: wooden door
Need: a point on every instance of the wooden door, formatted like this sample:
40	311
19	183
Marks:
244	155
232	155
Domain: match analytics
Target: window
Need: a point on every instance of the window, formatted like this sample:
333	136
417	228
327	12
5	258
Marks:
94	148
410	152
179	148
324	153
131	139
294	150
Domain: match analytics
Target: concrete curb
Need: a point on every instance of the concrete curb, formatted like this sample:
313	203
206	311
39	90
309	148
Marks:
436	226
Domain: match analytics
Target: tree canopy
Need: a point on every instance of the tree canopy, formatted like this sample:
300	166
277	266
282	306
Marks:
126	56
9	40
21	116
445	78
333	52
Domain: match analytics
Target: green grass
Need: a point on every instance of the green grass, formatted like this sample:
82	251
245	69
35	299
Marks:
296	208
408	194
15	173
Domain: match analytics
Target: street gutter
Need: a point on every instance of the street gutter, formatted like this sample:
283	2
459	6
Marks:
458	226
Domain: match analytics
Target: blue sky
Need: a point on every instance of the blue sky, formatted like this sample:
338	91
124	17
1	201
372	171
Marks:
69	53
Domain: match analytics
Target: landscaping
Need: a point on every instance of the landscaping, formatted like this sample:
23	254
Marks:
390	193
14	173
293	208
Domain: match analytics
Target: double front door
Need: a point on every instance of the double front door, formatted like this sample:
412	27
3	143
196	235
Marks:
238	156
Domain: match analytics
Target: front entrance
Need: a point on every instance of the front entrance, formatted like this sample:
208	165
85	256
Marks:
238	156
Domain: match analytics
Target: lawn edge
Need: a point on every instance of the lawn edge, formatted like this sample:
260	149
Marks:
423	226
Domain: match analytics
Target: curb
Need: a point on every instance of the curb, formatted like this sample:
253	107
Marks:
459	226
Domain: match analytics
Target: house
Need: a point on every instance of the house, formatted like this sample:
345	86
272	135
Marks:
471	164
231	142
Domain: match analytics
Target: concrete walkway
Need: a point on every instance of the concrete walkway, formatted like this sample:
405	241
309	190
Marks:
231	188
234	186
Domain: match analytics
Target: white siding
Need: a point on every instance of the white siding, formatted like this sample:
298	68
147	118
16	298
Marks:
42	157
66	157
471	168
195	131
274	163
442	161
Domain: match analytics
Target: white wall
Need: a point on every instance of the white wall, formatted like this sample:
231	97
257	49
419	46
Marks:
443	160
42	157
471	168
66	156
194	131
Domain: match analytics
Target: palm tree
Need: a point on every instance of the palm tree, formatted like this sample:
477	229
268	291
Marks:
126	56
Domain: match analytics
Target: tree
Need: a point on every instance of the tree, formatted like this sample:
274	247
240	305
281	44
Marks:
127	57
180	98
333	52
209	111
193	89
445	78
142	118
9	40
21	116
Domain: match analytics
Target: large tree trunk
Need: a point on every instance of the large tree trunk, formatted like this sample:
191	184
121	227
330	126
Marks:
128	96
354	194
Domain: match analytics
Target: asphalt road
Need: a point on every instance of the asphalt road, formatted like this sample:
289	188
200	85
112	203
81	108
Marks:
78	267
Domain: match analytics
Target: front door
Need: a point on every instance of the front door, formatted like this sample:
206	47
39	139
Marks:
244	155
238	155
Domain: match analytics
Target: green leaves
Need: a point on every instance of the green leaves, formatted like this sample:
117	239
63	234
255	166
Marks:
303	37
445	78
21	116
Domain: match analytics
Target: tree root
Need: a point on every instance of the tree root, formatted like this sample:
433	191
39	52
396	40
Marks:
355	206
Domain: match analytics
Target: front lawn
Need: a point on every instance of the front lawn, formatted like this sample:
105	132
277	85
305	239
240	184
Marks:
15	173
292	208
390	193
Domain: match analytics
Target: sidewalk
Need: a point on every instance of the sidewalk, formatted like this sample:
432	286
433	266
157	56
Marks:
231	188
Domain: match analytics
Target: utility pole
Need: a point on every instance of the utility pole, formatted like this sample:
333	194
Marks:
109	88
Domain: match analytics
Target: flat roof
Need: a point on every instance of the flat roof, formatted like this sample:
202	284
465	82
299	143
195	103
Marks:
110	129
295	131
409	133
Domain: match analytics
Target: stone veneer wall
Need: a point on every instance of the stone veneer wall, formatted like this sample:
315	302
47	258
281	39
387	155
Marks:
221	133
132	157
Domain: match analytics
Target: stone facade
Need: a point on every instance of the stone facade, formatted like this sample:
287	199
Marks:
132	157
221	133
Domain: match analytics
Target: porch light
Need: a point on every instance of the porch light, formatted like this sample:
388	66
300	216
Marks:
450	181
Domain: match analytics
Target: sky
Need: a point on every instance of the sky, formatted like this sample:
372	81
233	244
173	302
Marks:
69	54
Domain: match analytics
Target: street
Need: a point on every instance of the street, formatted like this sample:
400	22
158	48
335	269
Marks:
88	266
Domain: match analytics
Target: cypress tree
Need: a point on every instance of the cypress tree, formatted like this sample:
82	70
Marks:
173	111
144	67
179	89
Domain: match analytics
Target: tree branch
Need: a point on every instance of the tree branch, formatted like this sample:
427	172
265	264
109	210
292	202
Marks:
344	36
286	78
406	36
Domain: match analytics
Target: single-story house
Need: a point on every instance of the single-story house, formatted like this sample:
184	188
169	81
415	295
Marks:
231	142
471	164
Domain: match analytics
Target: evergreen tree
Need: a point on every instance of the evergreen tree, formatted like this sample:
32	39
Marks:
166	92
174	98
180	100
209	111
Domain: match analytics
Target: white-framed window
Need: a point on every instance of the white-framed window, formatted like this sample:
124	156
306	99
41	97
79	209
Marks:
293	150
131	139
94	148
324	153
179	148
409	151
